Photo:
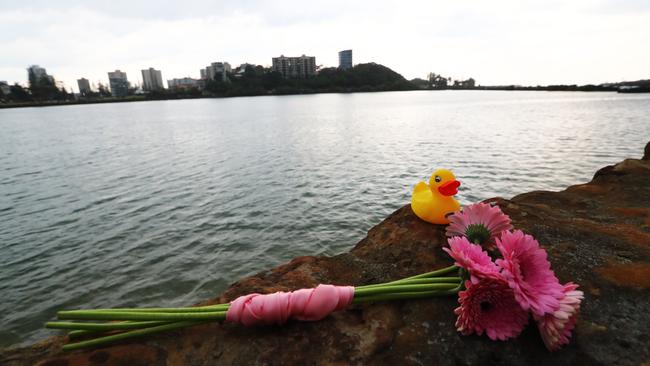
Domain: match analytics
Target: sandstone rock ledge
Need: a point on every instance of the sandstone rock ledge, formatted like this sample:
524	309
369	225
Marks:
597	234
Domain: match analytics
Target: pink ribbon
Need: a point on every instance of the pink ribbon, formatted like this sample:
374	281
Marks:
305	304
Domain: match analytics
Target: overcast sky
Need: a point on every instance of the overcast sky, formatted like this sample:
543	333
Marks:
496	42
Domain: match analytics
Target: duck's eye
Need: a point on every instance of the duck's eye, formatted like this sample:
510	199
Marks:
438	179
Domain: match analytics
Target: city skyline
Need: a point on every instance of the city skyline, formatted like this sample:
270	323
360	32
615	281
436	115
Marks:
503	42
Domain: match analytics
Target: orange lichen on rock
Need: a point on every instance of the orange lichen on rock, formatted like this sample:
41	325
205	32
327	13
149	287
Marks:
589	188
633	211
635	275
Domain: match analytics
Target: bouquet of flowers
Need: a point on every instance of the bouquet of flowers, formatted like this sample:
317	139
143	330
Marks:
499	295
496	296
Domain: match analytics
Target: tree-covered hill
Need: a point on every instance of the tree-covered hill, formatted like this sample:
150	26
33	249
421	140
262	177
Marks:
362	77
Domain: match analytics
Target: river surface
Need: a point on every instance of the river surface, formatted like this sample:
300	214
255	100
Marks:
166	203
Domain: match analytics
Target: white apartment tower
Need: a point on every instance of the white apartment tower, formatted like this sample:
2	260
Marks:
215	71
295	67
152	80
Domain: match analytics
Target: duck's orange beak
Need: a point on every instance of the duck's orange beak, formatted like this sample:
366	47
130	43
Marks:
450	188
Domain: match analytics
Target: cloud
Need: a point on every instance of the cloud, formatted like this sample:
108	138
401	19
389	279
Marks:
497	42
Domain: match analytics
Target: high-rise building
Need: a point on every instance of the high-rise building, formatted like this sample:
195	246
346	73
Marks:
119	83
152	80
345	59
84	86
216	70
4	87
295	67
37	74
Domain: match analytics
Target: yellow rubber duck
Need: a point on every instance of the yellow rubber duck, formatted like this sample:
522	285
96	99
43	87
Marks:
433	202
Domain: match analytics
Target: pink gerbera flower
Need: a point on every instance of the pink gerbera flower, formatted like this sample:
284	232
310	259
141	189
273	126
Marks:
556	327
529	273
480	223
489	306
471	257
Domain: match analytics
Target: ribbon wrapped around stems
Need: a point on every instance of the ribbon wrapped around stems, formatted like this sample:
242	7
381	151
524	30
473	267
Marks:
276	308
100	327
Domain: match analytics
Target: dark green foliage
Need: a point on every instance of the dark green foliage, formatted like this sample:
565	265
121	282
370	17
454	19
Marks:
438	81
464	84
44	88
18	94
103	91
217	86
131	90
259	81
441	82
371	77
420	83
272	80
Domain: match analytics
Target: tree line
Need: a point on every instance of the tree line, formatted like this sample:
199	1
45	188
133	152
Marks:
437	81
257	80
41	88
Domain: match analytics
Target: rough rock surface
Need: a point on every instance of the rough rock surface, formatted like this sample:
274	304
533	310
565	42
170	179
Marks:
597	234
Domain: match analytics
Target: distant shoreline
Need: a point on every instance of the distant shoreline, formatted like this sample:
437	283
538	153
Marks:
149	99
258	81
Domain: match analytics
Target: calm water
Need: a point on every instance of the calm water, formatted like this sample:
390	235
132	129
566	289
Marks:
166	203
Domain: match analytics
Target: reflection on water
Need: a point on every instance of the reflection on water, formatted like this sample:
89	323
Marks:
165	203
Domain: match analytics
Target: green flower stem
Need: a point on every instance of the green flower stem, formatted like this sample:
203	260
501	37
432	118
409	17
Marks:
103	326
404	295
403	288
421	279
435	273
417	285
194	309
123	315
126	325
416	281
144	321
82	333
126	335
